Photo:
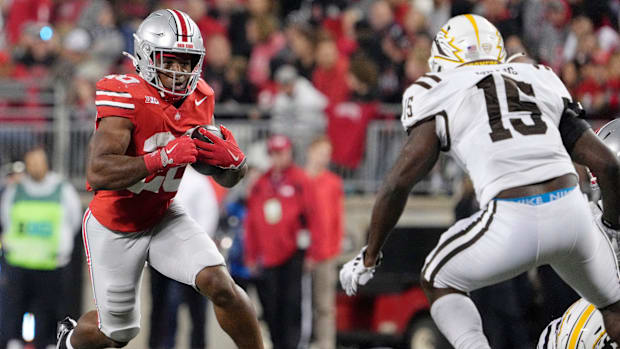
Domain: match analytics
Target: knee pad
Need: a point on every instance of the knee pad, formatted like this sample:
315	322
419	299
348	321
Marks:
123	336
121	300
121	321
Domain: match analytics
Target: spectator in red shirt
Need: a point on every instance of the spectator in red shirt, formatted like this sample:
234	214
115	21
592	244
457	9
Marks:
351	118
208	25
330	75
23	11
282	230
329	192
591	89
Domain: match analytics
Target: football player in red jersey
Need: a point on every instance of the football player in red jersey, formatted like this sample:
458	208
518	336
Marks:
137	157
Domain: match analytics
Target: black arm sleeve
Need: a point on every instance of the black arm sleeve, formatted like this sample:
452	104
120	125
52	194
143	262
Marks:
572	126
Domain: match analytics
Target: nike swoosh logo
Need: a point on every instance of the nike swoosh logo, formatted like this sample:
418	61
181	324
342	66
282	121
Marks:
200	101
168	151
236	158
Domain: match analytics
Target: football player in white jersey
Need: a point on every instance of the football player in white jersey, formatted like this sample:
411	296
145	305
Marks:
582	325
514	128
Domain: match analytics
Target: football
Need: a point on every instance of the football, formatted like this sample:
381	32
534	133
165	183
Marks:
206	169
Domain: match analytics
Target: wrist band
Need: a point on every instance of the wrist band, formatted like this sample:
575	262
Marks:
154	161
379	258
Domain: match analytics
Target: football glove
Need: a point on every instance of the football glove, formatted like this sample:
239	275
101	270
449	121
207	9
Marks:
354	273
223	153
179	151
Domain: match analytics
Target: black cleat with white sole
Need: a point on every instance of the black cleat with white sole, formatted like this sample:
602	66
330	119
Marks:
64	328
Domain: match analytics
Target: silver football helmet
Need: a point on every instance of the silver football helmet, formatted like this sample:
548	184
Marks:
466	39
610	135
168	32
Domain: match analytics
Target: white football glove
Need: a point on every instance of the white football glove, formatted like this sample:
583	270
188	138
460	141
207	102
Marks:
354	272
612	234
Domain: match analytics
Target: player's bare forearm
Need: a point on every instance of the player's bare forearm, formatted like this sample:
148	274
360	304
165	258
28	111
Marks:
590	151
115	172
416	159
108	167
229	178
386	211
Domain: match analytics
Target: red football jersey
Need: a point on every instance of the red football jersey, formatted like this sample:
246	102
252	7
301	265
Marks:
156	122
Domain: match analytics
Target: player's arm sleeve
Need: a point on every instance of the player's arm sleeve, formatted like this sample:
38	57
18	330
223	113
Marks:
114	98
572	126
571	123
416	111
553	91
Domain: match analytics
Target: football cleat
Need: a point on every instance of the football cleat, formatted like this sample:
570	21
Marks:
64	328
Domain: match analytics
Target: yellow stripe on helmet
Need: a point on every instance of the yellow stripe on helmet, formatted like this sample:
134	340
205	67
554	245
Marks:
572	343
475	25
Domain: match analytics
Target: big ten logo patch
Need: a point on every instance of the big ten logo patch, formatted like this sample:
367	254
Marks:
151	100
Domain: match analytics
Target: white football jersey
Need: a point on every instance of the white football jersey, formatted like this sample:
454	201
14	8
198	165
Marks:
499	122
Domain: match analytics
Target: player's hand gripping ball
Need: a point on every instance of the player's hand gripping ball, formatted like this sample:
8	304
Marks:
201	166
218	149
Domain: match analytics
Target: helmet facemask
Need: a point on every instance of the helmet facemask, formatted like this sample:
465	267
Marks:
166	34
155	65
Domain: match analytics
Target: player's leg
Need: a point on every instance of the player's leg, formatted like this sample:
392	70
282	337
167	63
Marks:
116	262
86	334
611	318
591	269
233	308
181	250
456	316
477	251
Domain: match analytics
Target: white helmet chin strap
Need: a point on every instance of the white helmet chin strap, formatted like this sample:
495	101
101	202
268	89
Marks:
134	60
515	56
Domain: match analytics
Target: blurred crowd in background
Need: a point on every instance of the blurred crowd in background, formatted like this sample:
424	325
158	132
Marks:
347	50
306	67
